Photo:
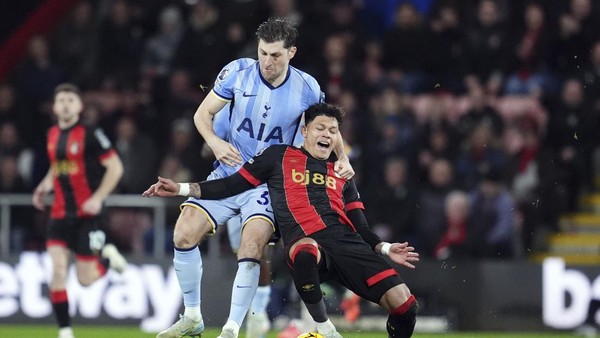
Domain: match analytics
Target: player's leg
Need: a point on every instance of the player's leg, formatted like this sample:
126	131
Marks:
58	245
402	307
257	320
191	226
89	269
59	256
258	323
90	241
256	233
370	276
304	257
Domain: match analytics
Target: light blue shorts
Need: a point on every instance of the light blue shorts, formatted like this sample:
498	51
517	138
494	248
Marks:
255	203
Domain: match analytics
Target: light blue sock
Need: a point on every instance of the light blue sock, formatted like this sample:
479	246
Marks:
244	288
188	268
261	299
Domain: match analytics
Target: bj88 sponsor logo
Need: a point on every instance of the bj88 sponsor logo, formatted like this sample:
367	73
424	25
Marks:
306	177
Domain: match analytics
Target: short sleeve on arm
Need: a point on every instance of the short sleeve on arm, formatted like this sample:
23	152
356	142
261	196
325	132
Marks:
225	81
98	144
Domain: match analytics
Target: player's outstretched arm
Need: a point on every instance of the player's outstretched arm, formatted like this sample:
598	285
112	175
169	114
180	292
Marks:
400	253
209	190
165	187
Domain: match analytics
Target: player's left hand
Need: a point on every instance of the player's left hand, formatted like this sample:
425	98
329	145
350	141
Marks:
403	254
344	168
165	187
92	206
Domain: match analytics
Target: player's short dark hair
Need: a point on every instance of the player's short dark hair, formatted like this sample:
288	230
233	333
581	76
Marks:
278	29
324	109
67	87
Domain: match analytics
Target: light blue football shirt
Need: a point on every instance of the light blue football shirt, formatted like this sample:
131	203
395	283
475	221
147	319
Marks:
259	114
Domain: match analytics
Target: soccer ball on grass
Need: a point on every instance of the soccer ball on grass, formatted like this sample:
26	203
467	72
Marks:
311	335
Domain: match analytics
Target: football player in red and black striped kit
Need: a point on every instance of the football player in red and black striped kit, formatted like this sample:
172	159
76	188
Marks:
321	221
84	170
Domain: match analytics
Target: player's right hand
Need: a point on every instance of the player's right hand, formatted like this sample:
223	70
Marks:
165	187
226	153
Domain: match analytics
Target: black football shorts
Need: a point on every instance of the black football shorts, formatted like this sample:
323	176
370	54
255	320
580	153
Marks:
81	235
347	259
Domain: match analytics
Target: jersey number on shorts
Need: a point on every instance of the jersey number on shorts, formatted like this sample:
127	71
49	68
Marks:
264	198
97	240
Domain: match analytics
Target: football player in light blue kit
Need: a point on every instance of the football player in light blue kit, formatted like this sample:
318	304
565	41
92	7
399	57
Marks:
267	99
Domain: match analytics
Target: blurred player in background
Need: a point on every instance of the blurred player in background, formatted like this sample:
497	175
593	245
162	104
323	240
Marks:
84	170
322	224
267	99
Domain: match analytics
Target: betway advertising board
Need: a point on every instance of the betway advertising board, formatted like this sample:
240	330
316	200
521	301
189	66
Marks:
143	292
484	295
568	295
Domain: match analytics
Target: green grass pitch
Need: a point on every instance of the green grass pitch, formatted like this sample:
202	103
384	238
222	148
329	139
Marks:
134	332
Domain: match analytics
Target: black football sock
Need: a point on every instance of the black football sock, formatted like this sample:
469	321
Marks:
401	321
60	305
306	279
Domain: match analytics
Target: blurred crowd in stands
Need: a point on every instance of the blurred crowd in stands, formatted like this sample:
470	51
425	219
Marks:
472	124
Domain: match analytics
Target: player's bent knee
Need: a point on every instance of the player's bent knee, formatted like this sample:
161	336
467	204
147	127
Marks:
255	236
395	297
250	250
87	272
401	321
190	228
86	282
86	279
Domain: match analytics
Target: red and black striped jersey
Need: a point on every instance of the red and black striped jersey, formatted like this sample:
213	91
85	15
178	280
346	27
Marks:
306	195
75	156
